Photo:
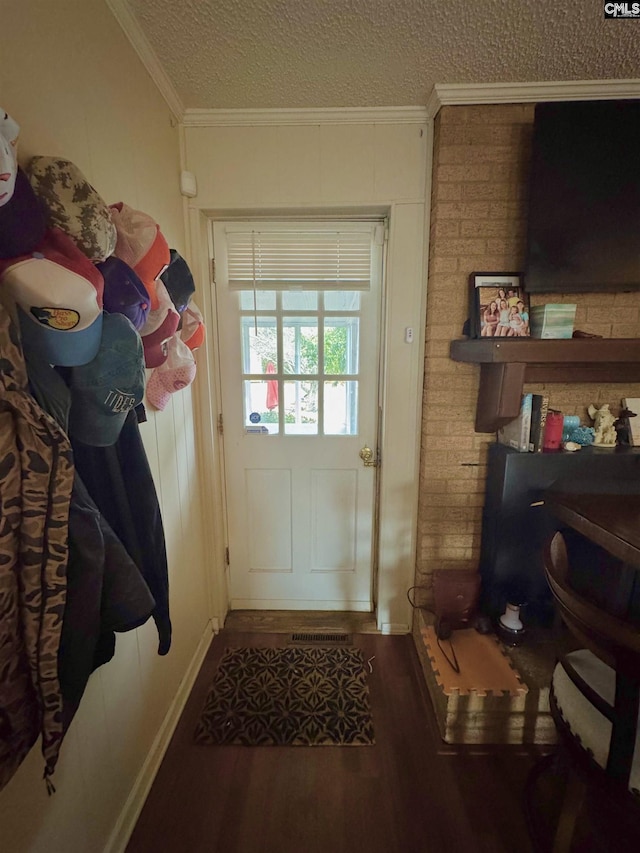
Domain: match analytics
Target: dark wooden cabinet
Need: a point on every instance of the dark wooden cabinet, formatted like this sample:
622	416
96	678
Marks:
516	522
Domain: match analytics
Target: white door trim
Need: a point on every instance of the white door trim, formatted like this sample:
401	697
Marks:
207	406
400	429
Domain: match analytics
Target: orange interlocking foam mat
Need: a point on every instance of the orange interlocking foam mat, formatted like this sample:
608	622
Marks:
484	665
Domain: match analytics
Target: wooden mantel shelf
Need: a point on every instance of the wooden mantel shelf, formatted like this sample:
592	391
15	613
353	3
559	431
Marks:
505	365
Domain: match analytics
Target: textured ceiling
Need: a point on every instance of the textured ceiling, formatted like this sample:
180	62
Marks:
364	53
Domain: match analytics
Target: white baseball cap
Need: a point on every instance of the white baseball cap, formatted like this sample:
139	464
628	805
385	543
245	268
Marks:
55	295
176	373
8	169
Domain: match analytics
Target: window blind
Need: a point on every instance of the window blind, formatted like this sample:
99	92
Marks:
309	259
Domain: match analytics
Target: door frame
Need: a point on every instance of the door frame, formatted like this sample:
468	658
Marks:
399	436
367	488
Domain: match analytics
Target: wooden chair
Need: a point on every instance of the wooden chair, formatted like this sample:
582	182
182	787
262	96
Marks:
594	702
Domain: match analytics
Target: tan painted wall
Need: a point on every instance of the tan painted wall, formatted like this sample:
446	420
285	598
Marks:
70	78
339	168
478	223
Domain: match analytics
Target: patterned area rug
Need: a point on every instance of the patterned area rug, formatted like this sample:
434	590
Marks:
288	697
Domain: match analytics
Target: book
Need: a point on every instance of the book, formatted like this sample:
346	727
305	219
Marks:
517	432
539	409
633	404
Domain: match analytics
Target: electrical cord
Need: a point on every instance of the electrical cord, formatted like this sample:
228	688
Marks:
455	666
443	629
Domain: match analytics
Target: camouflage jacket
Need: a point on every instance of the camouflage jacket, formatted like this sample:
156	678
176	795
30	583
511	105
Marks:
36	477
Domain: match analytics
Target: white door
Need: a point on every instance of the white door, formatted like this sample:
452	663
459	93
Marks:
298	308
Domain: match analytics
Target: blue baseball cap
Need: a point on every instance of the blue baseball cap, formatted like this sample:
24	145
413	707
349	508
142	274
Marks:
105	390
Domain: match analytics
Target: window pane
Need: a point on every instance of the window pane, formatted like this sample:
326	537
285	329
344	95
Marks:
265	300
340	408
261	407
300	407
300	300
259	350
300	344
342	300
341	345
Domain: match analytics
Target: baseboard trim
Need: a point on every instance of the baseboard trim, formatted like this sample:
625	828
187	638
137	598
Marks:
130	813
293	604
394	628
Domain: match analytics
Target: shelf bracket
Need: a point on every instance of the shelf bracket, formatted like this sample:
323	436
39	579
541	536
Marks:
499	394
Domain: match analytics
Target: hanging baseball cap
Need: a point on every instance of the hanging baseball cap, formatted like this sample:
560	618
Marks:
22	219
178	280
8	170
55	295
9	128
192	330
124	293
161	324
141	244
108	387
73	205
176	373
9	132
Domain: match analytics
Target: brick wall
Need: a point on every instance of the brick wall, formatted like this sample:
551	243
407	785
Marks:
478	223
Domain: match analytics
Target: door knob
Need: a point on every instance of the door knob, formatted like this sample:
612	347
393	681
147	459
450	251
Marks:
368	457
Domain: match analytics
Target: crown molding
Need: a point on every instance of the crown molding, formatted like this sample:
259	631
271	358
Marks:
132	30
335	115
522	93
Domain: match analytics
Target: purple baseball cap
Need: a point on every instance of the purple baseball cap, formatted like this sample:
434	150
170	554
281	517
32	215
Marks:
124	292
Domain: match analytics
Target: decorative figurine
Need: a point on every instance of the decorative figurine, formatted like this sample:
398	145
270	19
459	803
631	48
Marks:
603	424
622	426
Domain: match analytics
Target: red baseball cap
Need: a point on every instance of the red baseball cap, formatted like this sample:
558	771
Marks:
161	324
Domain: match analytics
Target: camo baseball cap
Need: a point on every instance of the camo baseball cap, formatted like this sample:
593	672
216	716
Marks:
73	205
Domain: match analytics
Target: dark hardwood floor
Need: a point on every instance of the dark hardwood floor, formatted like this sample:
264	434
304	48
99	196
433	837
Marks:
410	793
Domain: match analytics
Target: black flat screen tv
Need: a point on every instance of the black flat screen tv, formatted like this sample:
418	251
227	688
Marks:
584	198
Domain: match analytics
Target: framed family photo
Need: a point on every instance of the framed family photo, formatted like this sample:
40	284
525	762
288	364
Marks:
498	306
